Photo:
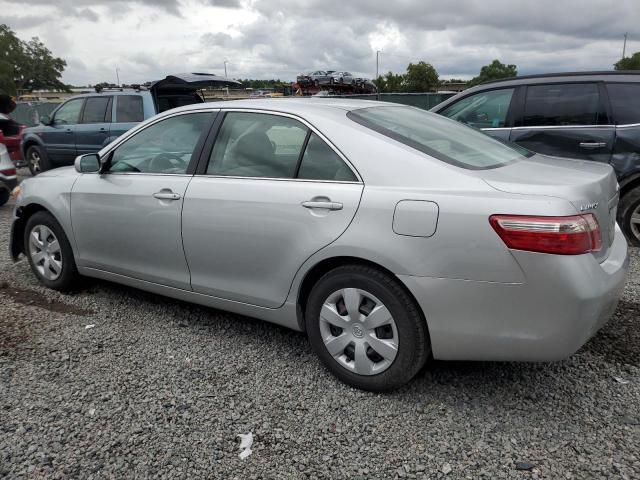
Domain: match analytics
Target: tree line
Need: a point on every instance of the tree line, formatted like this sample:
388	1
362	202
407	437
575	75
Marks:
423	77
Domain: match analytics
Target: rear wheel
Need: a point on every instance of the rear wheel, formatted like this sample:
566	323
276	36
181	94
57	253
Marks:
366	328
49	252
37	160
629	217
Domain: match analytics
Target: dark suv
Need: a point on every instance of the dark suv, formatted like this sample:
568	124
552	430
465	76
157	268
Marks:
591	116
88	122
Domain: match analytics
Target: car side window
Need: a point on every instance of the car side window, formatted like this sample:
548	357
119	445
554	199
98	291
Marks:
625	102
129	109
257	145
164	147
320	162
95	109
69	113
562	104
482	110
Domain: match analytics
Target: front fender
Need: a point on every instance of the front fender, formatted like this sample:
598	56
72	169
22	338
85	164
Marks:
27	140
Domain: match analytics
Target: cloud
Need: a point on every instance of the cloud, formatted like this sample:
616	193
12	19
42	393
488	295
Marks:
147	39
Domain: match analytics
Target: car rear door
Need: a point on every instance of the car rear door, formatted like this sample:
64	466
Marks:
59	137
127	220
488	110
95	120
565	120
271	194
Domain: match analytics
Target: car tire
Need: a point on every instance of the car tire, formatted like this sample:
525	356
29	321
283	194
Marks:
629	216
49	252
4	196
373	291
37	160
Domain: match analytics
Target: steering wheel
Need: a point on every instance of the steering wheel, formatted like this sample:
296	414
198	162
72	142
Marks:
166	161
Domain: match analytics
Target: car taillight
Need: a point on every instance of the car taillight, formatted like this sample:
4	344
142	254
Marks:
9	172
572	235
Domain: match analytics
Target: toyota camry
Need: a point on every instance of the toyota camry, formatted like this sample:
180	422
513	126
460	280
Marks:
390	235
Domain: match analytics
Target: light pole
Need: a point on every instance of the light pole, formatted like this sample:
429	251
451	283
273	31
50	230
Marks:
624	45
377	74
118	75
225	68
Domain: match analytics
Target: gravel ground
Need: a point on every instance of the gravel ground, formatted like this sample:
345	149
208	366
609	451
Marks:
160	388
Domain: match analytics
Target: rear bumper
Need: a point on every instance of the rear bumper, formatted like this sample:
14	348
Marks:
563	302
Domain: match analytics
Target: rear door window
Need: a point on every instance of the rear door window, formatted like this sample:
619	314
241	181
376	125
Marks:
625	102
129	109
257	145
482	110
563	105
95	110
320	162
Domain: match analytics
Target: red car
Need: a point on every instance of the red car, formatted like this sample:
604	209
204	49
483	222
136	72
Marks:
11	139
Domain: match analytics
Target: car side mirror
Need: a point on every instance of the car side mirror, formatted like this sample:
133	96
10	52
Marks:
45	120
89	163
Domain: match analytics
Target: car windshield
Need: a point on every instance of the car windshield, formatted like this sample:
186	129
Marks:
439	137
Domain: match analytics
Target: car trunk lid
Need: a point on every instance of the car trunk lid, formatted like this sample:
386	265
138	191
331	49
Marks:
590	187
181	89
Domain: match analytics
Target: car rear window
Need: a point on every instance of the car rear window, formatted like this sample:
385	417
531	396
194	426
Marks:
129	109
439	137
625	102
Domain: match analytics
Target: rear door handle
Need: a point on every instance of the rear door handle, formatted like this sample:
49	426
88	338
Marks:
327	205
593	144
166	195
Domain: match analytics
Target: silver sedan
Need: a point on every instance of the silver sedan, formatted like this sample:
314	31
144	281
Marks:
388	234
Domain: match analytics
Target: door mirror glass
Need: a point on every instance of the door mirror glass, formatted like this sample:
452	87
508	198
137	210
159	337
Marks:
89	163
45	120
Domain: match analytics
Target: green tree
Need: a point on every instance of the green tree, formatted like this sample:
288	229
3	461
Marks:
27	65
629	63
421	77
494	71
390	83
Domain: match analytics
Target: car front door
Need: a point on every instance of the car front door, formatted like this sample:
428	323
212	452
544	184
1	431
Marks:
487	110
565	120
272	193
127	219
93	130
59	136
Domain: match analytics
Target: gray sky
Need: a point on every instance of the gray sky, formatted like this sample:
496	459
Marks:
147	39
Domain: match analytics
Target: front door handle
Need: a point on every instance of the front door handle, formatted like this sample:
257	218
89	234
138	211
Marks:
590	145
166	195
327	205
68	130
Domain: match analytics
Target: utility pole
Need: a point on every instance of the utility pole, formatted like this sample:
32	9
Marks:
624	45
377	74
118	75
225	68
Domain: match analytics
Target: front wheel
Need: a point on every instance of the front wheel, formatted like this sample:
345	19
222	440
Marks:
629	217
49	252
366	328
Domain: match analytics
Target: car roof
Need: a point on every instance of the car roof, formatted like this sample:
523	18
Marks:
296	106
597	76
